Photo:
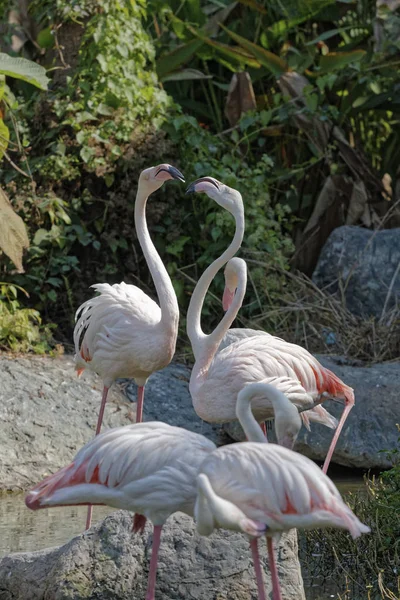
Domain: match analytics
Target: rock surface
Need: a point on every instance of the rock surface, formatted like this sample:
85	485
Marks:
47	413
109	562
371	425
366	263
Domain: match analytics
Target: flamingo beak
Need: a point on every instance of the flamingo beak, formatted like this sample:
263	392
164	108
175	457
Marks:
227	298
172	172
204	184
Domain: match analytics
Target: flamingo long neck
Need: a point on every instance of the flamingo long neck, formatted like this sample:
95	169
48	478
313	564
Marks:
165	291
193	320
280	404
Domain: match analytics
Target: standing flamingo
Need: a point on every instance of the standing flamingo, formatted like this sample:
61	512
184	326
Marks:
256	487
148	468
125	333
217	377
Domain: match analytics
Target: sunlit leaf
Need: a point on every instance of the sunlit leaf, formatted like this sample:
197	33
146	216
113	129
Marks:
271	61
339	60
13	236
4	138
2	86
21	68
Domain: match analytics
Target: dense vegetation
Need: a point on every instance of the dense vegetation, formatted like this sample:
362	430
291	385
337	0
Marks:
281	100
366	567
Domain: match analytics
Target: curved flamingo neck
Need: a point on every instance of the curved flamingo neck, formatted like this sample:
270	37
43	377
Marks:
193	319
162	282
244	413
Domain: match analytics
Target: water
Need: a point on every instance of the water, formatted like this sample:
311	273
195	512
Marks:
23	530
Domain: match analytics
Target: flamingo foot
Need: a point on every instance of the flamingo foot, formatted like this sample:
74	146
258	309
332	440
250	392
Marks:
139	523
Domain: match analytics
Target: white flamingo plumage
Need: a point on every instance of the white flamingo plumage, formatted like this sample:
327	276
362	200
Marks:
217	377
123	332
148	468
254	487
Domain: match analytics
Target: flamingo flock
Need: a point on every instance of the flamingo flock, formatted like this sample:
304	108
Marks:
154	469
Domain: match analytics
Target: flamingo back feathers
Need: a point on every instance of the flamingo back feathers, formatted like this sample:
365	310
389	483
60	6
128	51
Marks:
279	487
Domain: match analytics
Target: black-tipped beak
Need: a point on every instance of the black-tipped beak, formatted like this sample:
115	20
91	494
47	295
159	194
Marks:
192	186
173	171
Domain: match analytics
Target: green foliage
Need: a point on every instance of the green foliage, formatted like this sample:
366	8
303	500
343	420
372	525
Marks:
21	329
332	558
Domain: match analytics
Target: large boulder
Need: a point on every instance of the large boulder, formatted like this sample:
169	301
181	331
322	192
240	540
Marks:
364	265
371	425
47	413
108	562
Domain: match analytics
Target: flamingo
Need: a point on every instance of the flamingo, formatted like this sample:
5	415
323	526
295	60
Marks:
148	468
123	332
318	413
217	377
256	488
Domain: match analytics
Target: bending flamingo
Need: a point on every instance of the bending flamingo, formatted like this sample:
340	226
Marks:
148	468
317	414
123	332
217	377
256	487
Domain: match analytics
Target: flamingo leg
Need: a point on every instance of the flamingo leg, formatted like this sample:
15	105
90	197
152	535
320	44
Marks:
257	568
348	406
151	586
276	588
139	405
98	428
263	428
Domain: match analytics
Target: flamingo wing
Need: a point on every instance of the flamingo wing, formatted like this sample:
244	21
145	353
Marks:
147	467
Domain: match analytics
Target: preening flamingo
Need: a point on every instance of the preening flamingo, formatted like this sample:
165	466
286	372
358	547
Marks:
123	332
148	468
318	414
217	377
260	488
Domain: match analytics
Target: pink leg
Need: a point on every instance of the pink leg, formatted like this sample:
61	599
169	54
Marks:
139	406
348	406
151	586
263	428
276	588
98	428
257	568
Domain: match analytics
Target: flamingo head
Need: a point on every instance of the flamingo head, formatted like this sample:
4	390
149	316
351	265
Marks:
154	177
231	283
225	196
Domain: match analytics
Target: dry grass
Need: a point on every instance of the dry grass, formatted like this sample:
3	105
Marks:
311	317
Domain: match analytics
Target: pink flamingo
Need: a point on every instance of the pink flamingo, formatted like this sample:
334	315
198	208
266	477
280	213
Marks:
148	468
123	332
217	377
256	487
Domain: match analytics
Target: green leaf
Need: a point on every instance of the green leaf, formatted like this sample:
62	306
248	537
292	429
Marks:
45	38
21	68
328	34
173	60
40	235
271	61
254	5
185	75
339	60
4	138
177	246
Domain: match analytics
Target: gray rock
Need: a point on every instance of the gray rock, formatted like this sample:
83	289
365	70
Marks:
110	563
47	413
371	425
367	265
